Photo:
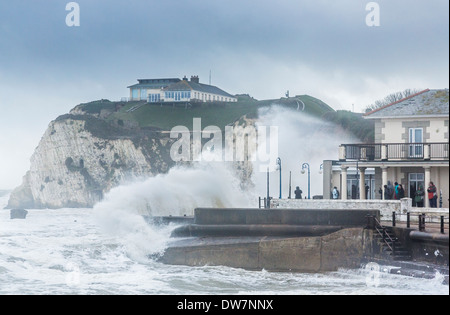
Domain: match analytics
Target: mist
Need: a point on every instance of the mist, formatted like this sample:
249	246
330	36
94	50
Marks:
301	139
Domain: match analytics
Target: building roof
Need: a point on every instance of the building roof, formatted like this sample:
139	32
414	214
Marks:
425	103
154	83
185	85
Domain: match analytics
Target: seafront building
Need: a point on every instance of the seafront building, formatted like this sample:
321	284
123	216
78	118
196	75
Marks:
411	147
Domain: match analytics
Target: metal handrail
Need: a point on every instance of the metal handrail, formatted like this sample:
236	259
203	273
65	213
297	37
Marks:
422	220
383	234
396	151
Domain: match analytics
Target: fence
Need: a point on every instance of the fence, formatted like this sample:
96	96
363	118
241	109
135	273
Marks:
396	151
421	220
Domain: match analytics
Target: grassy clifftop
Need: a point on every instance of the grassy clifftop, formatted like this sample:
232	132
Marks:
156	117
218	114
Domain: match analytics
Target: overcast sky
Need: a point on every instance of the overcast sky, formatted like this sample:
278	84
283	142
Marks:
261	47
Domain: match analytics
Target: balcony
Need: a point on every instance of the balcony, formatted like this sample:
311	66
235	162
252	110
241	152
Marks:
394	152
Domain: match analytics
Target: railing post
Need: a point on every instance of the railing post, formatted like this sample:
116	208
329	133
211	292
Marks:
423	221
384	151
408	220
442	225
393	219
420	223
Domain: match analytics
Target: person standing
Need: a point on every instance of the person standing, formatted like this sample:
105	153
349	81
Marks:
412	194
298	193
418	198
389	191
335	193
401	192
432	195
396	190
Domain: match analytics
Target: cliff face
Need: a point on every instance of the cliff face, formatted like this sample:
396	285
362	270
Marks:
103	144
81	157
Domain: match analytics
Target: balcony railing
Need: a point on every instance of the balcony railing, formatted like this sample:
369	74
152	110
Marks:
394	151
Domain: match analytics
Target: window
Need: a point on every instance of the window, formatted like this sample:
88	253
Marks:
352	187
416	142
143	94
135	94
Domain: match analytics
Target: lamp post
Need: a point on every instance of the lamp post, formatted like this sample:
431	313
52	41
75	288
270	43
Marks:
290	184
306	166
279	168
267	205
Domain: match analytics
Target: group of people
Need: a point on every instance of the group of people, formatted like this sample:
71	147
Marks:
397	191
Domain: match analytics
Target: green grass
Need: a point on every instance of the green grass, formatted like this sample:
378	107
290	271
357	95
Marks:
151	116
212	114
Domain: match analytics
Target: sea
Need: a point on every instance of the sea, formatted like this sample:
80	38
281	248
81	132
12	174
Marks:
107	250
69	252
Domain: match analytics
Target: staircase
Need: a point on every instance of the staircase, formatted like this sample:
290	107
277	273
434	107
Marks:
390	244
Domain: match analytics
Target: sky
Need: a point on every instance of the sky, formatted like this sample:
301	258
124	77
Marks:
325	49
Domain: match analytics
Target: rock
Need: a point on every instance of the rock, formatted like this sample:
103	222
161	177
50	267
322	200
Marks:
80	158
18	214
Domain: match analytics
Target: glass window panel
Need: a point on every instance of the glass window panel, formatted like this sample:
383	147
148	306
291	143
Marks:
418	135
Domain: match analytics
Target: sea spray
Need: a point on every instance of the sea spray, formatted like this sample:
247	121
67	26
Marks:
301	139
176	193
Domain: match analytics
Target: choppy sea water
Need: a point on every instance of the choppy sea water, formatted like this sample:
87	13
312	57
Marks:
67	251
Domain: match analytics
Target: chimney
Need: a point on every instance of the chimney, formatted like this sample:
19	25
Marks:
185	79
195	79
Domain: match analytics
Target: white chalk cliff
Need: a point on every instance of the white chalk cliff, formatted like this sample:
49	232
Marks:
81	157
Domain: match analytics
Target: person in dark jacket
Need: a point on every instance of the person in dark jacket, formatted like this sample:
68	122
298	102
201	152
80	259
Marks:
389	191
412	194
418	198
401	192
432	195
298	193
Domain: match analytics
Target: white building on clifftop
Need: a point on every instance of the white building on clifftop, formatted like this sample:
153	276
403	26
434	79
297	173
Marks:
174	90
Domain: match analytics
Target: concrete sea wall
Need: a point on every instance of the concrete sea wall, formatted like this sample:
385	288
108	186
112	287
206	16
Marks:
341	249
279	239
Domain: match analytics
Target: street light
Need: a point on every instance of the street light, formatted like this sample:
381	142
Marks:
306	166
279	168
267	205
